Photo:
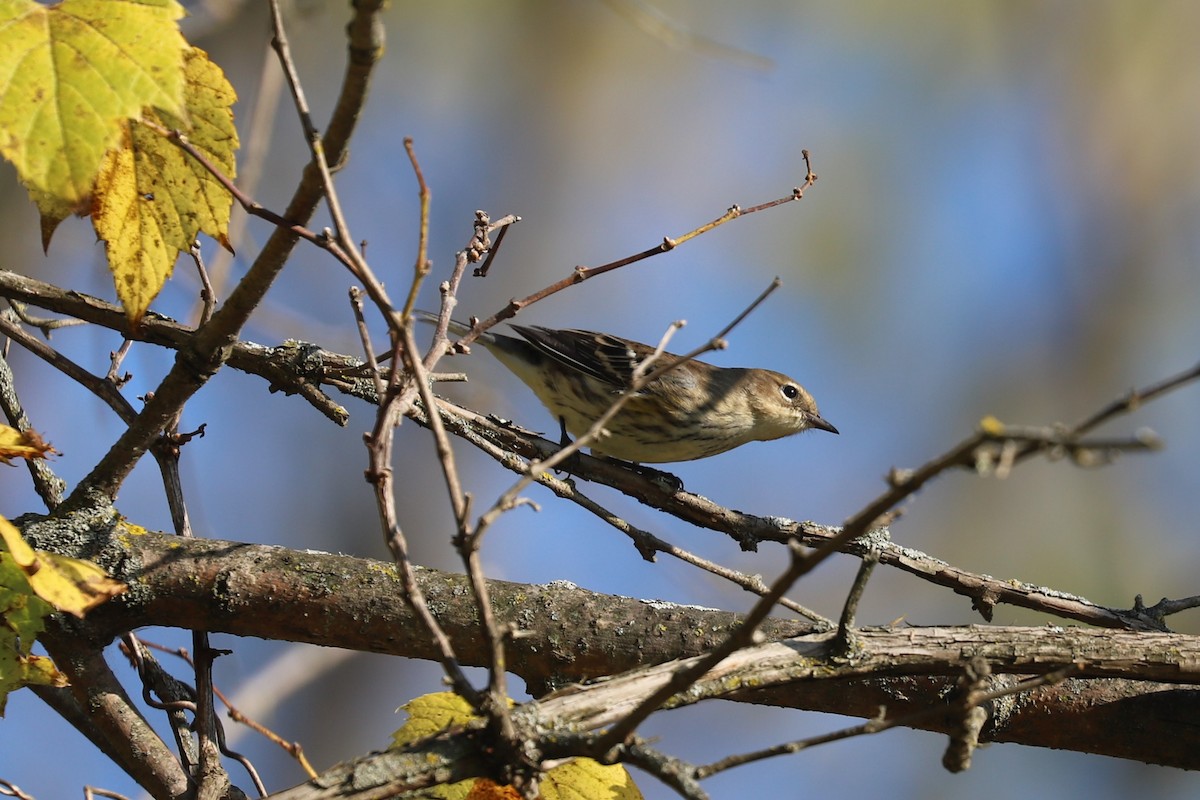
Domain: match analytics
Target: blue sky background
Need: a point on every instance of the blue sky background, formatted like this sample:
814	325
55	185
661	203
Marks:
1005	223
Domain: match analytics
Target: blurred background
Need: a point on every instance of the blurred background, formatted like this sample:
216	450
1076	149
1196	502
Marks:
1005	223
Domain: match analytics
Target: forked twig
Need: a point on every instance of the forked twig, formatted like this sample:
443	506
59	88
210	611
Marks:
581	274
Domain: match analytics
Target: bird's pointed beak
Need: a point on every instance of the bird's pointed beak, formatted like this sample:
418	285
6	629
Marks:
815	421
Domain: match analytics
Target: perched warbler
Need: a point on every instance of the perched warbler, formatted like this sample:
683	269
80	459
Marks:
693	411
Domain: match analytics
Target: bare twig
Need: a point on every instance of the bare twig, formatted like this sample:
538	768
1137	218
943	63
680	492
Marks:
255	146
670	770
10	789
129	739
422	265
270	363
581	274
91	791
45	325
364	336
882	723
97	386
116	358
684	677
208	297
312	137
850	609
49	486
482	270
292	748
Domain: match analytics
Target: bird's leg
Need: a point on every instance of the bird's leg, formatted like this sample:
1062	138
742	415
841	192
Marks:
666	481
564	439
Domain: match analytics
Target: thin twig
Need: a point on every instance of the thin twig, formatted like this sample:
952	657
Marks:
208	297
10	789
91	791
274	364
482	270
581	274
670	770
850	609
684	677
364	336
379	474
292	748
254	150
46	483
312	137
878	725
422	265
45	325
115	359
97	386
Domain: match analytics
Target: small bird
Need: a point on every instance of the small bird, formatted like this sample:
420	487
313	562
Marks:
693	411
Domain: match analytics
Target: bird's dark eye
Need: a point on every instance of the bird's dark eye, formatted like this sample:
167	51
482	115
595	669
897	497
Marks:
789	391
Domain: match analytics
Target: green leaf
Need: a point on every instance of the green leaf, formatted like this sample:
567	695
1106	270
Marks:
22	618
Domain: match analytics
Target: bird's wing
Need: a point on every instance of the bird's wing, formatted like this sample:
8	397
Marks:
606	358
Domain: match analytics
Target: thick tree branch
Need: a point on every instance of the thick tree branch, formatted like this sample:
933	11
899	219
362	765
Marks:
568	635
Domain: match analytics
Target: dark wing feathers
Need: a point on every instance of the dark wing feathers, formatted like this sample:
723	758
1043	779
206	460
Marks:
610	359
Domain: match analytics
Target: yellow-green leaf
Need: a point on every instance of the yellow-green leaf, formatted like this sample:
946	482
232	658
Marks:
70	75
15	444
430	714
22	618
152	198
69	584
991	426
15	544
17	671
585	779
72	584
579	779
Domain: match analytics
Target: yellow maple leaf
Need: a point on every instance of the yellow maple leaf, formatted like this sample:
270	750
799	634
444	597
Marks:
17	444
152	198
578	779
70	75
69	584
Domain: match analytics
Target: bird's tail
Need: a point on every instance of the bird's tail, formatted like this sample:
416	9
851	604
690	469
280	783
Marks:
456	327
